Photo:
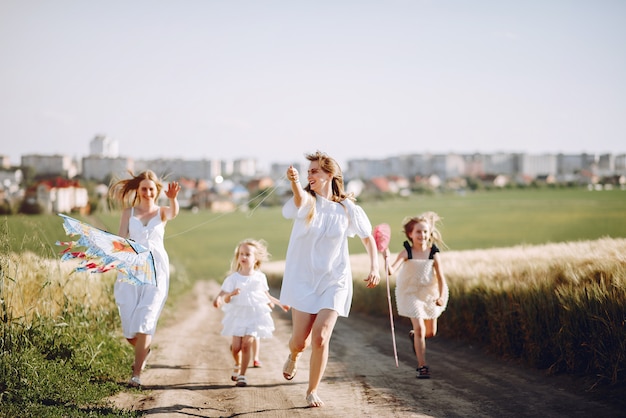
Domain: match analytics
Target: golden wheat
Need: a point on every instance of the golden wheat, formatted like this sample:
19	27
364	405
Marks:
32	286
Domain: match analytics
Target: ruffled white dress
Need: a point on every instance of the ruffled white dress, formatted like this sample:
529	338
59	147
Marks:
417	290
317	265
141	306
247	313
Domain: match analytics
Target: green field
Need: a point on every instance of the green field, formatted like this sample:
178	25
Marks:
201	245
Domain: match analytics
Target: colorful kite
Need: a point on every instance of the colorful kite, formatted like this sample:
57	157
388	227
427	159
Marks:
104	251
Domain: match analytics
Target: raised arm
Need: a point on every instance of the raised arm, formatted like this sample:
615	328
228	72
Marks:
298	192
171	211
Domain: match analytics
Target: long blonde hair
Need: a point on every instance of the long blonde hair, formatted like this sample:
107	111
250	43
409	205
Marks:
125	191
330	166
431	219
260	253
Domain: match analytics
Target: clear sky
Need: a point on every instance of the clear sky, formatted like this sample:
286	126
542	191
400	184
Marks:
274	79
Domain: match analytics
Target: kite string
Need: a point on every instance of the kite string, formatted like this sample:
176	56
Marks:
263	196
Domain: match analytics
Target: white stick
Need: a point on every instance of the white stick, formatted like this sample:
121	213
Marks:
393	331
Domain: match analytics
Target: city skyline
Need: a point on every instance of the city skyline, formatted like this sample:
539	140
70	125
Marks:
274	80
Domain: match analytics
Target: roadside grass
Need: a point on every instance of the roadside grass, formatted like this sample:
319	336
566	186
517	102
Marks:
59	353
520	285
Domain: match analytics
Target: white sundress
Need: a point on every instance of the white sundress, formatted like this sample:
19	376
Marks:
247	313
141	306
317	265
417	290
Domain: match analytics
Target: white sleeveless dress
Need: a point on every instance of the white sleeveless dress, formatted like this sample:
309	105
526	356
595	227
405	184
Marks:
417	290
141	306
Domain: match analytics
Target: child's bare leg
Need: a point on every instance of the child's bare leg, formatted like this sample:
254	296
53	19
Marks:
256	347
419	340
431	327
235	348
246	350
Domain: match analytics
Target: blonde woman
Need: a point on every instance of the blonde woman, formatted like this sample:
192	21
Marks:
317	282
144	222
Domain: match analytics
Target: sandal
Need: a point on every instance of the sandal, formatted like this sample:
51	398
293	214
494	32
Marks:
423	372
134	382
289	368
256	364
313	401
235	373
241	381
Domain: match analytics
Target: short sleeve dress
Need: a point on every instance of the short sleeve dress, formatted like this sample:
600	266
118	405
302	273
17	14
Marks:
141	306
247	313
417	288
317	265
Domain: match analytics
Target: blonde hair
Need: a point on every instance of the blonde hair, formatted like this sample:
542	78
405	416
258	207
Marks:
329	166
431	219
125	191
260	253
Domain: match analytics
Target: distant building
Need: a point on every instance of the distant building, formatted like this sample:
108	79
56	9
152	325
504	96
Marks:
103	146
51	165
60	196
533	166
100	168
5	161
245	167
174	169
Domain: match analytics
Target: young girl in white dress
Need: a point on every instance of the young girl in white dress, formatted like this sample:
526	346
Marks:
143	221
421	289
317	282
247	304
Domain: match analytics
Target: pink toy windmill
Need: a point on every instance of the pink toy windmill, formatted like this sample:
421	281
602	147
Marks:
382	235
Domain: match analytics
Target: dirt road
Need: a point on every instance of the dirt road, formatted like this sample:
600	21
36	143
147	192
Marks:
189	376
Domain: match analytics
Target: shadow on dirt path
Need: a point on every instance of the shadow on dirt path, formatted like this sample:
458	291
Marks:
189	375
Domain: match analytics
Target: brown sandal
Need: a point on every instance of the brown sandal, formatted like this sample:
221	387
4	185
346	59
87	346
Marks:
290	367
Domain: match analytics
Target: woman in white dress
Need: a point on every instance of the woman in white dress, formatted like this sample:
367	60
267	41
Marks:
421	289
143	221
317	282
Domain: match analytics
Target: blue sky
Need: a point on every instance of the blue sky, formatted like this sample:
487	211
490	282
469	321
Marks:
273	80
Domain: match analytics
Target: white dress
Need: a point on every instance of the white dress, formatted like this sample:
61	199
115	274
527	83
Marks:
417	290
317	265
247	313
140	306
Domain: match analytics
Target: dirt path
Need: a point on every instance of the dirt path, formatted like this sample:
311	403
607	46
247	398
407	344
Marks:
189	376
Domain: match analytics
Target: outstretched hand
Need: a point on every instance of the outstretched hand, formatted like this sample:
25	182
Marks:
172	190
292	174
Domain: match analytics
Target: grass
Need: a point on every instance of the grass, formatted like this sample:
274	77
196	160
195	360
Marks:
59	355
